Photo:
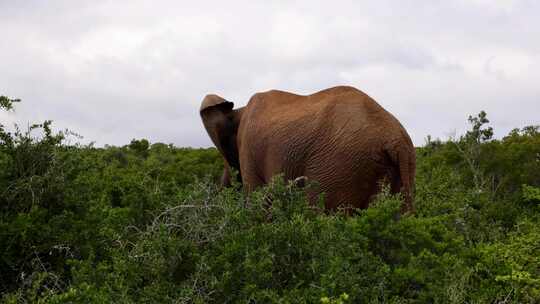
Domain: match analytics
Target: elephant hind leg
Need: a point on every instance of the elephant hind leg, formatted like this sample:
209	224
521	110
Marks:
350	196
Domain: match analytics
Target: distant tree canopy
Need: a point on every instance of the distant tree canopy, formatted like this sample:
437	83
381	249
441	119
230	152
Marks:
140	146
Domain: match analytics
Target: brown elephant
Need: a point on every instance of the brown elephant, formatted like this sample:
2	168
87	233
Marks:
339	137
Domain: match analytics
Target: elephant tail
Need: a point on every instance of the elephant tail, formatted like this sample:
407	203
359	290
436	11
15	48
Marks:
404	159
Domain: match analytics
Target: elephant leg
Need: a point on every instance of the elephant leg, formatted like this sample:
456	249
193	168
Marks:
226	176
250	179
253	181
347	199
351	191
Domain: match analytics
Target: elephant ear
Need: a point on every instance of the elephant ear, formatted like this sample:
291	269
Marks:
214	101
217	117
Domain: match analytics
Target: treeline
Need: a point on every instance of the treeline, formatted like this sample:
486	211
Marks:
148	223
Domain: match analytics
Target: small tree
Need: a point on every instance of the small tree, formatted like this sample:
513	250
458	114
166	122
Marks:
479	132
7	103
469	146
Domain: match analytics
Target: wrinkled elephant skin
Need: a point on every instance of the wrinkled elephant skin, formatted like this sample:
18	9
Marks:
339	137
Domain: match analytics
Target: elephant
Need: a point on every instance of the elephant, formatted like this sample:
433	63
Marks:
338	137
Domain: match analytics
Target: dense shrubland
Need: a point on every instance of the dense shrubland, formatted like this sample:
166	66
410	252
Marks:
147	223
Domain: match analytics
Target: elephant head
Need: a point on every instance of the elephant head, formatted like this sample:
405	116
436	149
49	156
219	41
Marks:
221	122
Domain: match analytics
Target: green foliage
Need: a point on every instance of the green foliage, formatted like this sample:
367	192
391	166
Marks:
7	103
140	147
147	223
479	132
531	194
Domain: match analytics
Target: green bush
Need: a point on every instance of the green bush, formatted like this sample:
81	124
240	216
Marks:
147	223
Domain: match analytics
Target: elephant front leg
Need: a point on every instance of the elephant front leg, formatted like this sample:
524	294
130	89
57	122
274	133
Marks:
229	174
226	177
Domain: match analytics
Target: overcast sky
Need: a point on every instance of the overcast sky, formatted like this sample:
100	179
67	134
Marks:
117	70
